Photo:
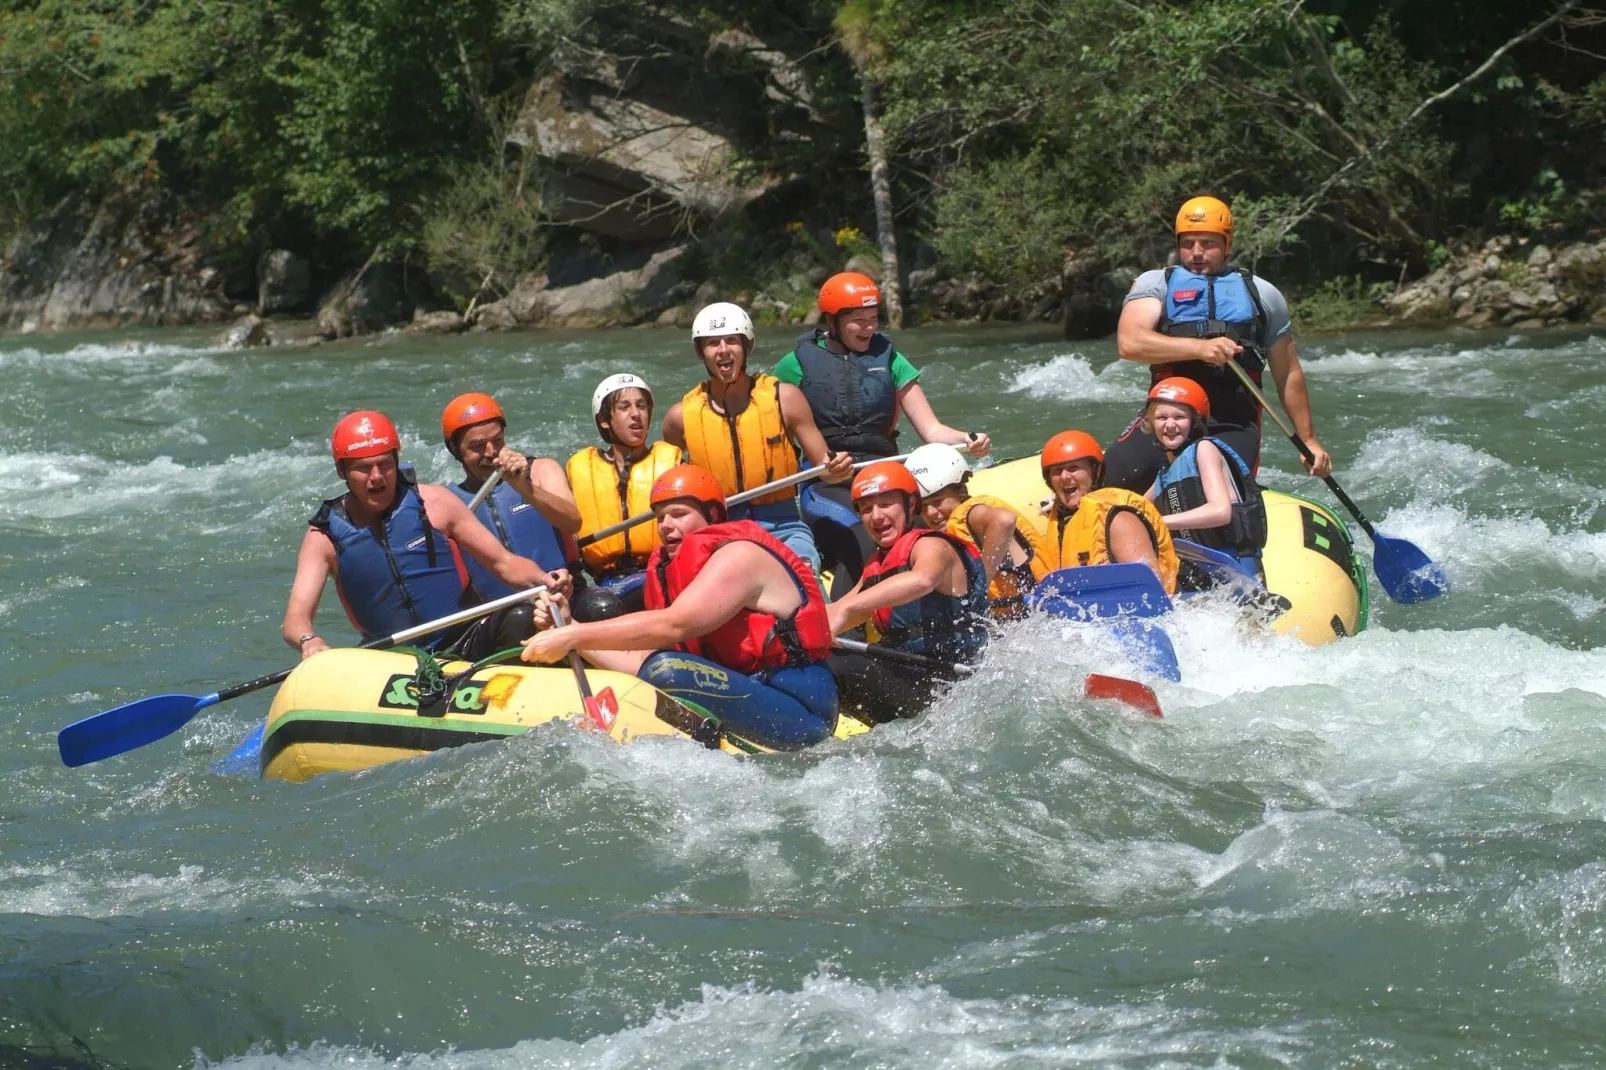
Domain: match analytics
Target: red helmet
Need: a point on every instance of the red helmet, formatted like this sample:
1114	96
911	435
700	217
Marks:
364	433
881	477
466	410
848	289
1070	446
1181	392
687	481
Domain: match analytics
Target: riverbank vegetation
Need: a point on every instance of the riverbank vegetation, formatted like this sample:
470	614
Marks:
1024	140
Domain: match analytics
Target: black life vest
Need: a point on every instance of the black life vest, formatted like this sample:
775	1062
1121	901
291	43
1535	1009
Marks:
854	399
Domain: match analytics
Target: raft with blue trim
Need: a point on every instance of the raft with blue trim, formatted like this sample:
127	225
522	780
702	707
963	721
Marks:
349	709
1310	559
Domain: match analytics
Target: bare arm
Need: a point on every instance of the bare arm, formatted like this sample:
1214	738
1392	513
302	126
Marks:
994	531
1130	541
728	583
1289	375
674	427
912	399
928	566
315	562
1216	512
799	420
452	518
543	484
1138	338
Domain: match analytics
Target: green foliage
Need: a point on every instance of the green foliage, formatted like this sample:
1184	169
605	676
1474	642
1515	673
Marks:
483	228
1548	206
1346	301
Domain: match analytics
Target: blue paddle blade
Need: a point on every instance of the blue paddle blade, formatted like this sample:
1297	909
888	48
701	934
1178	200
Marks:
1130	592
246	758
125	727
1149	647
1092	591
1406	573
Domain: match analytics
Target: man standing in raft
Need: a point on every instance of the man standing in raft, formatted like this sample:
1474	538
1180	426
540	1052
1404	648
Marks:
1205	491
1192	319
925	592
735	622
742	428
392	546
616	481
531	511
857	384
1011	549
1090	524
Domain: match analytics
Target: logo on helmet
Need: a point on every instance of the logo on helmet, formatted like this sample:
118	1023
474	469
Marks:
1196	216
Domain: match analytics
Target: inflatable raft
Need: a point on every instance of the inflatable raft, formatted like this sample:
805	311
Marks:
1310	558
349	709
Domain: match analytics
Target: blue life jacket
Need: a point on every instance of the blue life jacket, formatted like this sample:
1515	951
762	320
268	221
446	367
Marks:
1217	306
1182	488
401	575
853	397
950	627
520	527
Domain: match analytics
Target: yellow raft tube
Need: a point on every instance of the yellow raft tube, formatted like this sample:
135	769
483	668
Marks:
349	709
1309	558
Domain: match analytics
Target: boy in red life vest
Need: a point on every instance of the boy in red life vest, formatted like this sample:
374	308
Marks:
735	624
924	591
392	545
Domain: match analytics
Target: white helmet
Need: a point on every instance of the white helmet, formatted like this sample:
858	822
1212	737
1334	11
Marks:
719	319
937	465
621	381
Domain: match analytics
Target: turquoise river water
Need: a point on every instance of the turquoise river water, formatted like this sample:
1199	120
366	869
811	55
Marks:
1387	852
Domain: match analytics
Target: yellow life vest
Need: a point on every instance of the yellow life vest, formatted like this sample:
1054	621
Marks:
605	498
744	451
1084	536
1006	591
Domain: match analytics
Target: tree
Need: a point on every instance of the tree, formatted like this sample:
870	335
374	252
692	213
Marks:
855	26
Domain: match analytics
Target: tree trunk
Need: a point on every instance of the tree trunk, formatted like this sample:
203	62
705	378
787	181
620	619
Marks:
881	190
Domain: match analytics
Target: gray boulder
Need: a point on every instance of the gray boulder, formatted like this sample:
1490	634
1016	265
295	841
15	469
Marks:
284	282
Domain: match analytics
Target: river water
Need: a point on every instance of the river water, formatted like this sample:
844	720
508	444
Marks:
1386	852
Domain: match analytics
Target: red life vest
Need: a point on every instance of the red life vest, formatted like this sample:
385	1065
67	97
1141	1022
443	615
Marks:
935	614
750	641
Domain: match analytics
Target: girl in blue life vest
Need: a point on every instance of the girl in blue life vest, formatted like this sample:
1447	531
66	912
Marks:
1205	492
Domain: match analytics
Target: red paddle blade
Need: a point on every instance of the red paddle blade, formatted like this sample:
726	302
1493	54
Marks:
603	708
1134	694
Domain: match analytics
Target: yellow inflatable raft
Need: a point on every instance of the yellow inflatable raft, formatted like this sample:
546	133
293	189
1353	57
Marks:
350	709
1309	557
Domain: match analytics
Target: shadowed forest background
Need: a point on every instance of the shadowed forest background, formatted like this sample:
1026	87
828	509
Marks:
1032	152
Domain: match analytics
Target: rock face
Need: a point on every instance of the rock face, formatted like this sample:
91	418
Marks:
284	282
623	298
625	168
116	264
1508	282
381	294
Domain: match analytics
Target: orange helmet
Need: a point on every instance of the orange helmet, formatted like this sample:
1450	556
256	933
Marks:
1070	446
848	289
466	410
1182	392
1205	215
364	433
881	477
687	481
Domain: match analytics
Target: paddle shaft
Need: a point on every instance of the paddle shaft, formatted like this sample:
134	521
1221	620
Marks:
575	661
871	650
485	490
428	627
736	499
1304	450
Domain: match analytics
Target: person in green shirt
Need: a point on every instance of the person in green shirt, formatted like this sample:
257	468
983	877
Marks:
857	384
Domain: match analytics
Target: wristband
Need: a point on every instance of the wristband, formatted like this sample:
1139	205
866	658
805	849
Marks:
303	640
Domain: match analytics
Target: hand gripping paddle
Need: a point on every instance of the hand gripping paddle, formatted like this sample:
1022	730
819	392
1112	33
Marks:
603	709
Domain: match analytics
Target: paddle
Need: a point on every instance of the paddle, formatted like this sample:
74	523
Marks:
1406	573
1125	592
1097	685
134	724
603	709
736	499
485	490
